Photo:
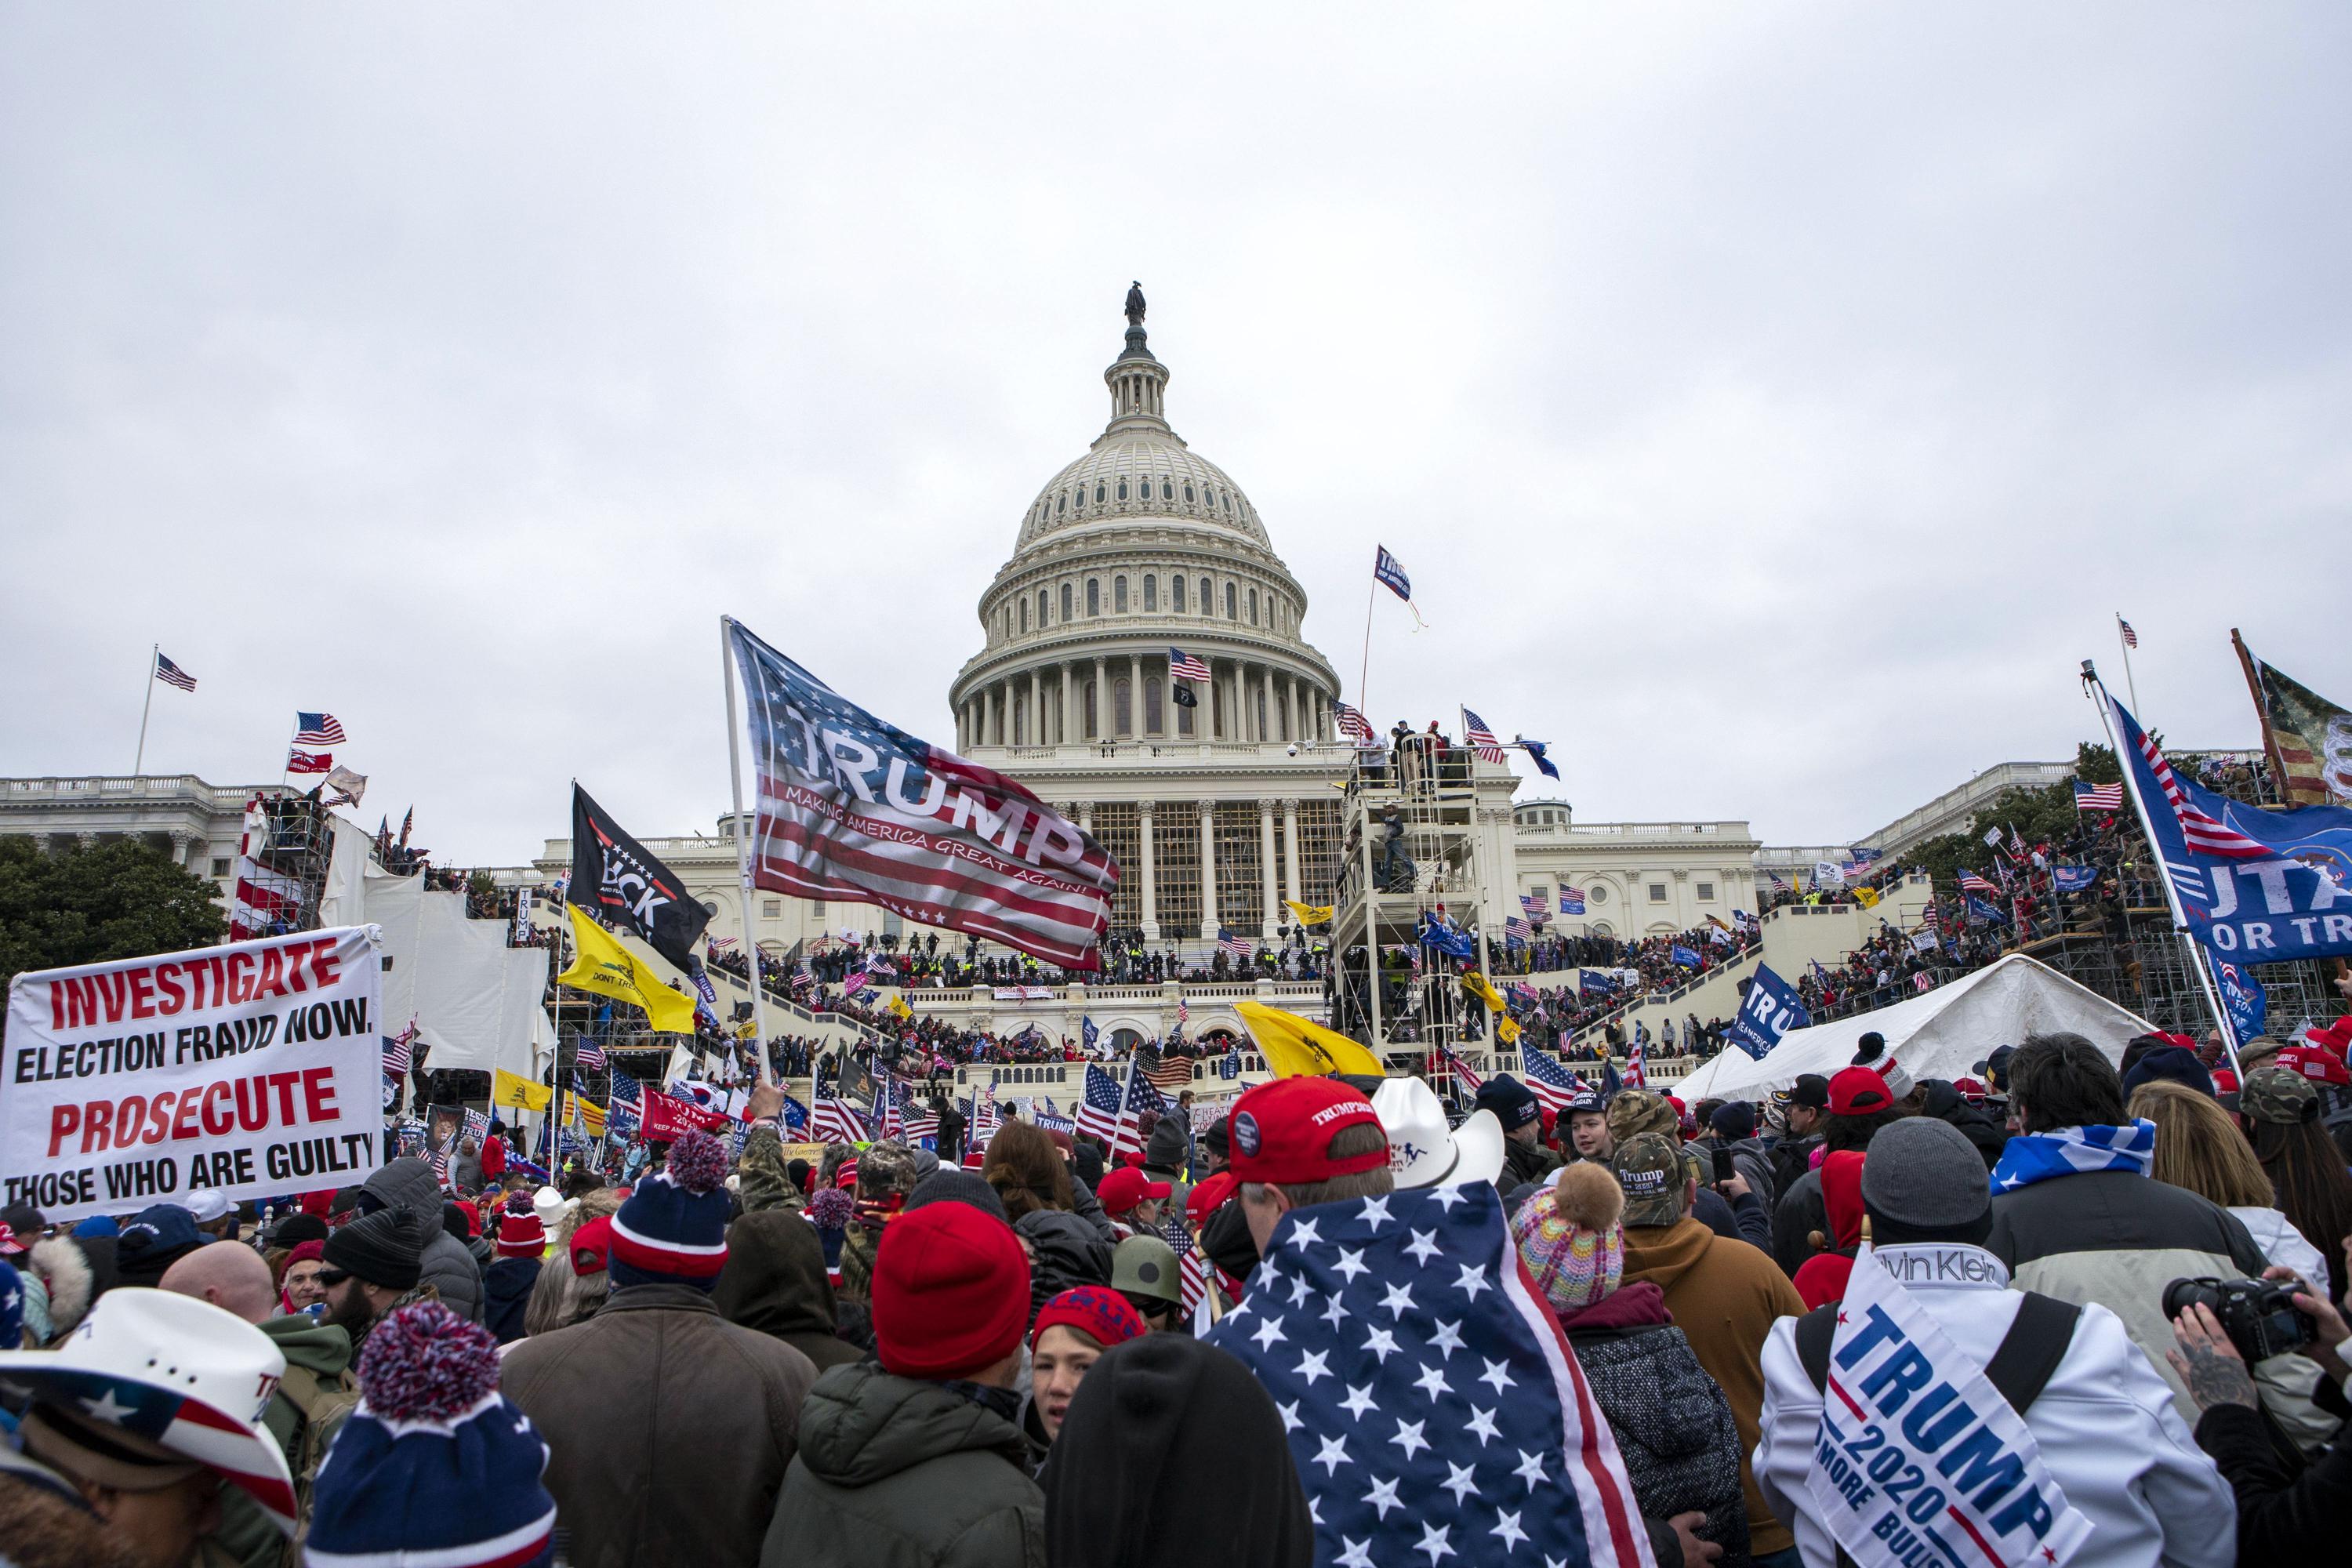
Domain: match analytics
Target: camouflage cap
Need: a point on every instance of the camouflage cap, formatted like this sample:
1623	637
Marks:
886	1168
1635	1112
2280	1095
1649	1166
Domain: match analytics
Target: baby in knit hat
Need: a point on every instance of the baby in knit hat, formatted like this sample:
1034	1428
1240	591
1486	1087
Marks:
1572	1238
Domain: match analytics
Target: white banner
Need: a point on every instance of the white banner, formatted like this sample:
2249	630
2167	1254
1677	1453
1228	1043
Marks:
1828	874
252	1068
1919	1459
1023	993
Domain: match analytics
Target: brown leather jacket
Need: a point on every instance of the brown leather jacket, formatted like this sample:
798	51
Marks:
668	1429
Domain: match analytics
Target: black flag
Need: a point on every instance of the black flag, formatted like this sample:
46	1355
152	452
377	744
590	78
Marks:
618	881
1182	693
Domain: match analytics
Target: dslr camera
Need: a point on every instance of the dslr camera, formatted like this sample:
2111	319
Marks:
2259	1315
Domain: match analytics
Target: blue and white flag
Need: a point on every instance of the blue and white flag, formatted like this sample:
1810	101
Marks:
2261	887
1535	751
1446	937
1770	1010
796	1115
1599	980
1683	955
2073	879
2031	1157
2242	998
1985	913
1571	900
1087	1034
1457	1427
1390	573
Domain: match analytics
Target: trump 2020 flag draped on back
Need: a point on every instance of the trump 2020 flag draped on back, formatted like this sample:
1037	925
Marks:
855	809
1431	1404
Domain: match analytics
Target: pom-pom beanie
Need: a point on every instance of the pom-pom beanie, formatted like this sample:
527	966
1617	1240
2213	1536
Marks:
436	1465
1571	1236
673	1229
520	1233
950	1293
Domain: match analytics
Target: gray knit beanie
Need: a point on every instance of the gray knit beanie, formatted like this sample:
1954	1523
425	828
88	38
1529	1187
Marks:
1924	1176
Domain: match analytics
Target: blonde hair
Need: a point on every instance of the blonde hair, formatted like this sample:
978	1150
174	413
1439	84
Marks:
2199	1148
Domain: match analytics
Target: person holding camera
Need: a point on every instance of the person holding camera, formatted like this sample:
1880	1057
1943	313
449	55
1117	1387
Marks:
2281	1508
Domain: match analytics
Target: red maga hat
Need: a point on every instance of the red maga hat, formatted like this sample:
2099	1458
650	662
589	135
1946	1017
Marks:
1282	1131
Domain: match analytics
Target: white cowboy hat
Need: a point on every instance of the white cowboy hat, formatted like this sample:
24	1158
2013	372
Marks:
178	1373
1422	1151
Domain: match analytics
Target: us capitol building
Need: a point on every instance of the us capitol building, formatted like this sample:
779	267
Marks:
1216	811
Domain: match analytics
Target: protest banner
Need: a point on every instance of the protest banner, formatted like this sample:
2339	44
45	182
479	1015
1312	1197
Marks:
250	1069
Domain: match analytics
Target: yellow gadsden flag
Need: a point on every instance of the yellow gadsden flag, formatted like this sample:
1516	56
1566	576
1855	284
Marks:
1310	914
1867	897
518	1092
605	967
899	1008
1298	1047
1478	985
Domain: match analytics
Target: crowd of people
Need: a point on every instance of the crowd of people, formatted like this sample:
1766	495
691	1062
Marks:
1034	1350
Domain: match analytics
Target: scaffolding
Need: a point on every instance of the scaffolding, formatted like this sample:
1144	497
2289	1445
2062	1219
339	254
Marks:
294	842
1410	849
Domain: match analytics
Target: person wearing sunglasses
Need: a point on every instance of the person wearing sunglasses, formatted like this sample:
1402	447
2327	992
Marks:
370	1267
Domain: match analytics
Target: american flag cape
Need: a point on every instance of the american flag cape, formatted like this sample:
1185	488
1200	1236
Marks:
1098	1111
1636	1077
855	809
1431	1401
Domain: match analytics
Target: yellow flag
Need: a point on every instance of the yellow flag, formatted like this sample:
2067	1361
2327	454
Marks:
605	967
899	1008
1299	1047
1867	897
588	1115
1477	985
1310	914
1506	1029
520	1094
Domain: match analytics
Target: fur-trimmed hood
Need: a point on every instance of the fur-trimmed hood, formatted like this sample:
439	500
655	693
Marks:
66	1272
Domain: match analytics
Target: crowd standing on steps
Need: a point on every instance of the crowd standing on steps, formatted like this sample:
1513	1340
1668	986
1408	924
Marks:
1334	1324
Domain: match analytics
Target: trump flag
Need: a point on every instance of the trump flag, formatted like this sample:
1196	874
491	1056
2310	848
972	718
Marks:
854	809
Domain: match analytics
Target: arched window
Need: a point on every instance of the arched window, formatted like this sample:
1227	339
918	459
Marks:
1098	493
1176	593
1253	603
1228	500
1122	489
1024	614
1062	504
1183	719
1118	595
1188	492
1086	713
1065	601
1122	712
1166	489
1094	596
1151	593
1044	603
1151	709
1208	599
1230	600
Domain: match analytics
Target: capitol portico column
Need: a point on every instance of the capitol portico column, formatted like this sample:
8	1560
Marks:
1102	699
1069	704
1038	707
1292	706
1150	878
1266	867
1135	695
1208	869
180	842
1085	816
1290	850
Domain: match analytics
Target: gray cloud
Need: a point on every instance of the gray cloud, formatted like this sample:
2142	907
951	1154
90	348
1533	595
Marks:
1771	405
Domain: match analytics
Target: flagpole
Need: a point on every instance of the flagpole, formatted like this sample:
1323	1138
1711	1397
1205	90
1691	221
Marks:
743	849
2164	873
2129	685
1363	673
146	708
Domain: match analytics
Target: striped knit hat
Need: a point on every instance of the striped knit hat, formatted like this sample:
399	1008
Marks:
520	1233
673	1229
1571	1236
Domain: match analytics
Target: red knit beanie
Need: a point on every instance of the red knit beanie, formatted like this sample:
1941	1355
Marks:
520	1233
1097	1311
950	1293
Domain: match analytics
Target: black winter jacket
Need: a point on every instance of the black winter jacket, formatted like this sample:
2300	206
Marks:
2282	1517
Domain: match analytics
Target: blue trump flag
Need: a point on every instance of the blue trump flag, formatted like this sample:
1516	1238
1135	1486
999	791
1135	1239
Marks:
1770	1010
1454	1422
1988	913
1535	751
1683	956
2242	998
1446	939
2073	879
2260	887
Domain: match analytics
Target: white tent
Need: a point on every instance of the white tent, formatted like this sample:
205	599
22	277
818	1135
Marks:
1942	1033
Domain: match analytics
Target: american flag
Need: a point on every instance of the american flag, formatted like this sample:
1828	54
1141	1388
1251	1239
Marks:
1182	666
317	730
2131	637
1141	1096
930	837
1571	900
1536	903
1463	1071
2107	797
2201	832
170	674
1183	1014
1482	739
919	1122
1634	1074
1098	1111
834	1120
2017	850
1518	926
625	1090
1192	1269
396	1052
721	943
1168	1074
1972	883
302	761
1239	947
1354	726
439	1161
1554	1085
1376	1297
589	1055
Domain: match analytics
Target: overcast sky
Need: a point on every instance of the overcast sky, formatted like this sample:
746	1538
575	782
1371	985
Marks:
1773	403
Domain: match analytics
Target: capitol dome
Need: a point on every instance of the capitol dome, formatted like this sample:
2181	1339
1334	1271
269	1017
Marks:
1138	547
